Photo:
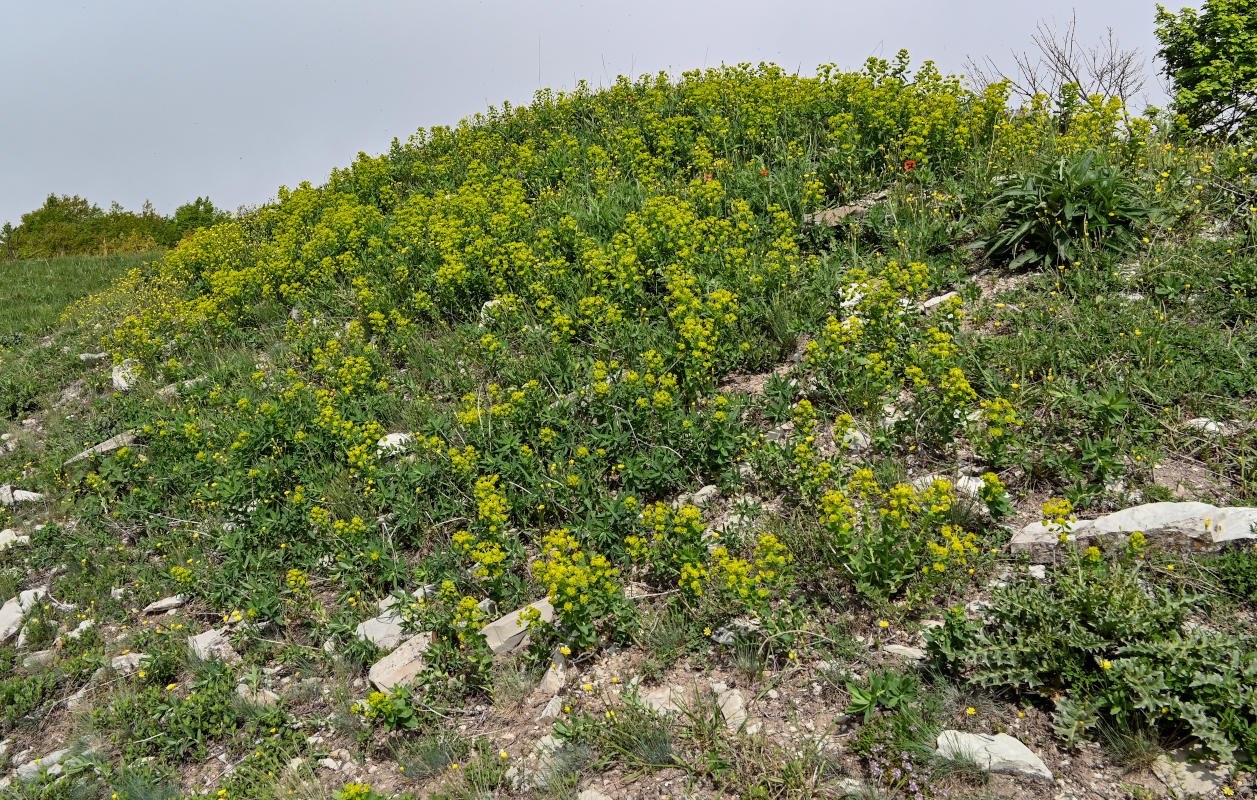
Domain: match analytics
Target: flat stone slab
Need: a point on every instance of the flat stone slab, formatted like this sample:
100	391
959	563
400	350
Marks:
960	484
732	708
1188	526
552	710
31	597
393	444
172	391
998	753
127	663
666	699
1206	425
383	631
401	666
10	538
1185	778
12	497
935	302
213	644
14	611
166	604
257	697
509	633
124	439
39	659
832	217
906	652
49	764
701	498
83	627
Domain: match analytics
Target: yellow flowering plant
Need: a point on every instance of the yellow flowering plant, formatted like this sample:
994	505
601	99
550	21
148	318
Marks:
584	589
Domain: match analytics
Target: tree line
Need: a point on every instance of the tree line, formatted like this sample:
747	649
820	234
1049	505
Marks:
69	225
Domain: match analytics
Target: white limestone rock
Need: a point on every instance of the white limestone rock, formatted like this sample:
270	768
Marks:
855	441
1187	778
125	375
552	710
15	610
124	439
833	217
384	631
47	765
127	663
166	604
393	444
905	652
509	633
1188	526
1206	425
257	697
11	538
728	634
401	666
556	674
935	302
998	753
664	699
213	644
701	498
12	497
80	629
732	708
39	659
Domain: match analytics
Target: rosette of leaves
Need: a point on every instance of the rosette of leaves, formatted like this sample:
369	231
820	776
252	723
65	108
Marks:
1050	215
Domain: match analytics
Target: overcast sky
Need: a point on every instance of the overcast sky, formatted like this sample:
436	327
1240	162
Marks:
166	100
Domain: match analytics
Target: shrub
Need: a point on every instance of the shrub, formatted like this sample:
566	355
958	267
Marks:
583	587
896	539
1212	59
1111	651
1060	208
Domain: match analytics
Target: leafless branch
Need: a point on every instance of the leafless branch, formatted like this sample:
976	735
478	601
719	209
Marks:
1057	59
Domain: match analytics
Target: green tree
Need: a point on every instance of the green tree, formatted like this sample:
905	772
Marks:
64	225
200	213
1211	56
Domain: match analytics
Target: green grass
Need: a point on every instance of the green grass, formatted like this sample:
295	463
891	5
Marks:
38	290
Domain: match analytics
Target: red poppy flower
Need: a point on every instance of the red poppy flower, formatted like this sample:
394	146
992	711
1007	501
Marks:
707	176
908	165
763	172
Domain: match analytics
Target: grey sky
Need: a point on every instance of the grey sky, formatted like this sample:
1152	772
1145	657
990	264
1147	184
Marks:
169	99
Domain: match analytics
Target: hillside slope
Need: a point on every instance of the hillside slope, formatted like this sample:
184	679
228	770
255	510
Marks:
773	404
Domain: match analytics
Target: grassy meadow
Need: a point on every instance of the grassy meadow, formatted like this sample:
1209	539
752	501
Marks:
38	290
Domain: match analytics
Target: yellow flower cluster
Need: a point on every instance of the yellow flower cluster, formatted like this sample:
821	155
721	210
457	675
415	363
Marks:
954	549
667	528
751	584
581	585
